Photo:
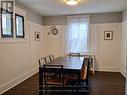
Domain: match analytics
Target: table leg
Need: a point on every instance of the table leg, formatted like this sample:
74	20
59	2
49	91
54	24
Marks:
93	64
40	81
78	83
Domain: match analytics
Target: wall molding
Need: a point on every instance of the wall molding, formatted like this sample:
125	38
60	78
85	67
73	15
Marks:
108	68
35	24
114	17
5	87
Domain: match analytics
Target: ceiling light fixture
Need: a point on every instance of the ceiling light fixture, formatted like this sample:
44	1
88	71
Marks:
71	2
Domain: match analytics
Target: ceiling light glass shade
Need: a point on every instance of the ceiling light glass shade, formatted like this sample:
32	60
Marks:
71	2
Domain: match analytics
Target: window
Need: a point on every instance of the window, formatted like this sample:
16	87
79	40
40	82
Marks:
19	21
6	20
78	34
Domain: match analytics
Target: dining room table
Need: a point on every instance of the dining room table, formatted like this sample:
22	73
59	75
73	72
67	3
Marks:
71	65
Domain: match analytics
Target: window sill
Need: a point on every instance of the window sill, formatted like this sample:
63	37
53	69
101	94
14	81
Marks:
12	40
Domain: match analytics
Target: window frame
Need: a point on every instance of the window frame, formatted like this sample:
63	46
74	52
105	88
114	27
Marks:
17	36
2	33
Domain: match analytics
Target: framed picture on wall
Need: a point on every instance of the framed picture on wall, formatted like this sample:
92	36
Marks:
108	35
37	36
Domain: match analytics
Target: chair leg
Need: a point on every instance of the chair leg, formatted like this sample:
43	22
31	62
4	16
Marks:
87	82
72	86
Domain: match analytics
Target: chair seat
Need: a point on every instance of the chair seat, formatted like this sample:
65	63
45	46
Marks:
72	76
57	81
82	76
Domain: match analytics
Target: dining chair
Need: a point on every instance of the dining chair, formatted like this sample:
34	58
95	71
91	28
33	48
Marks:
42	61
85	71
51	57
72	54
53	77
48	59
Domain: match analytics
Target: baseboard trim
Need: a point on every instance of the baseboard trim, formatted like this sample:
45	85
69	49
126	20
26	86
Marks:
17	81
108	69
123	72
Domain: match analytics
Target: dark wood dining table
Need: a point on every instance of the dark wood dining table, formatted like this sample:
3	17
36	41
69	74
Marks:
71	65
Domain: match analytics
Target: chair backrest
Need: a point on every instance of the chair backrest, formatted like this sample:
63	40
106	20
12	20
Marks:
51	72
71	54
84	73
51	57
85	70
45	60
48	59
42	61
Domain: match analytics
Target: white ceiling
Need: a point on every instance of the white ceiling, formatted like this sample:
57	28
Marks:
58	7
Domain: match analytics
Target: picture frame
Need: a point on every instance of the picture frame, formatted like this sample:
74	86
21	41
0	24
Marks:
108	35
37	36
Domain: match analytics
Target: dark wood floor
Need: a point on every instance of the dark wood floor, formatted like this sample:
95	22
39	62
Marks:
102	83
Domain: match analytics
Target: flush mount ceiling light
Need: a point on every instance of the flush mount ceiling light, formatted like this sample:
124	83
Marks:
71	2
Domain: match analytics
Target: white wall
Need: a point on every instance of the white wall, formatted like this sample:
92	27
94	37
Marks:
107	52
124	47
55	43
124	44
30	14
19	57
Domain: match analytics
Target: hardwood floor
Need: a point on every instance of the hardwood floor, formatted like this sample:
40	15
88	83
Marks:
102	83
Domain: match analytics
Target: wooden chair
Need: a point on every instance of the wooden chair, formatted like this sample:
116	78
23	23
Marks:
85	71
71	54
51	57
48	59
42	61
53	77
